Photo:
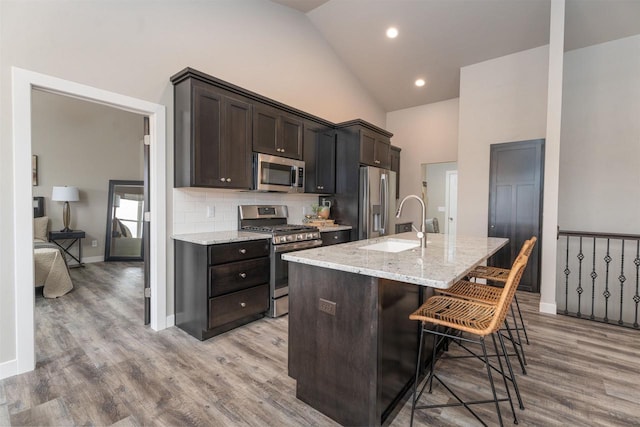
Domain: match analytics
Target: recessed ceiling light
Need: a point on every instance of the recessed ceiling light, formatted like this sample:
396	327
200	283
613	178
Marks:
392	32
420	82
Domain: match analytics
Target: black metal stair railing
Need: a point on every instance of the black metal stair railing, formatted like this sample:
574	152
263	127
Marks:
602	295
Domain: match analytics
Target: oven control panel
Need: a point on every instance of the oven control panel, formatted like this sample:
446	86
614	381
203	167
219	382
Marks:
296	237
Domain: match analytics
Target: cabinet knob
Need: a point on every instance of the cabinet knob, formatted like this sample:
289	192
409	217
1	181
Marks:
242	275
243	304
335	237
243	251
377	162
228	179
222	179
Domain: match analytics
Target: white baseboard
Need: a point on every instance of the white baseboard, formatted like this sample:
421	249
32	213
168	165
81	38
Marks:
549	308
8	369
171	320
92	259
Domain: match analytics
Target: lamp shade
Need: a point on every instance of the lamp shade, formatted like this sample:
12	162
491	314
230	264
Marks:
65	194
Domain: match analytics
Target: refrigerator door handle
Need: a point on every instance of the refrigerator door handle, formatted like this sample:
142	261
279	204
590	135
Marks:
384	197
365	211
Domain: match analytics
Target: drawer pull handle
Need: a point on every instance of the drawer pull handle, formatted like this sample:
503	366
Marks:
243	304
243	251
243	275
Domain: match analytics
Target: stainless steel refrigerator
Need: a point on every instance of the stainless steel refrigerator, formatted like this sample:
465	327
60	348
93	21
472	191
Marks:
377	198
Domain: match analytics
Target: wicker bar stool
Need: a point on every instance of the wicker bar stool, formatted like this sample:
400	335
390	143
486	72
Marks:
452	316
490	295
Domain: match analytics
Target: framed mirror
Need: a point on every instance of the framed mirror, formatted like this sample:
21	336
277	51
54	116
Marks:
125	216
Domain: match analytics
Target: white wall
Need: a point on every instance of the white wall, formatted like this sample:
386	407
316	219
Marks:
426	134
83	144
132	48
600	150
501	100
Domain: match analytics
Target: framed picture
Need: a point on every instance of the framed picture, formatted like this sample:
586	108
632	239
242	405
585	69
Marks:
34	170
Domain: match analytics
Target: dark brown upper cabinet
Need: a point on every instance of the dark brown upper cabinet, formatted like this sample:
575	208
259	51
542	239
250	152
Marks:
212	144
395	166
374	149
319	159
276	132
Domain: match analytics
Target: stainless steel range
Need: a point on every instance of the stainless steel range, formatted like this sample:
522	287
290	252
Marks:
272	219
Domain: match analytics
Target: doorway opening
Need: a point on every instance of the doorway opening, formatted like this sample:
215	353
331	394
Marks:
23	82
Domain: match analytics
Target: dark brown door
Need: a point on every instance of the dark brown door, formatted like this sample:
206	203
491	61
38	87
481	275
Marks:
515	203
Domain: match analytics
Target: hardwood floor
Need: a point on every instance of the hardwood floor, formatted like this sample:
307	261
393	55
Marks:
98	365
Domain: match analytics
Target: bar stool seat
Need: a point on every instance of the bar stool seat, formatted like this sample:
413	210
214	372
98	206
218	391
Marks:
453	315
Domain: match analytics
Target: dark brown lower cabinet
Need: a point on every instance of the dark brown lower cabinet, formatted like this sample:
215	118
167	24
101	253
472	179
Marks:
220	287
352	347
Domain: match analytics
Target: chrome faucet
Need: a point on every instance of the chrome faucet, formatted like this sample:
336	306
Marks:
422	235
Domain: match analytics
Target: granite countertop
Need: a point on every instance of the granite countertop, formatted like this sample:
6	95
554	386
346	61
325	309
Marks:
218	237
446	259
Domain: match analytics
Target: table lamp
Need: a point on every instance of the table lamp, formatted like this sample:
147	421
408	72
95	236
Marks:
65	194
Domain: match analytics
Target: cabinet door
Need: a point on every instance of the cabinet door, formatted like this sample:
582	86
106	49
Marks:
236	149
367	148
320	160
395	166
207	137
326	161
290	142
265	129
382	153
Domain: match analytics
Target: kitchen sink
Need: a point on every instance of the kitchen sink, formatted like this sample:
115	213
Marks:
393	245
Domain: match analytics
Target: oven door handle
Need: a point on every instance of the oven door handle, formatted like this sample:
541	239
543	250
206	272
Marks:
294	246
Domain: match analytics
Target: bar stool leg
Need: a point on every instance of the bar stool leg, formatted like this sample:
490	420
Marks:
512	375
504	377
524	328
415	382
517	329
515	346
493	387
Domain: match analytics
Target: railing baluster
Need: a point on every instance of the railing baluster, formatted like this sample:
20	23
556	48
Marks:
622	279
636	297
606	292
629	311
594	275
579	289
566	280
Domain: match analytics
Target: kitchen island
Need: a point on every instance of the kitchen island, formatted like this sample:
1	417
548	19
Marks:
352	347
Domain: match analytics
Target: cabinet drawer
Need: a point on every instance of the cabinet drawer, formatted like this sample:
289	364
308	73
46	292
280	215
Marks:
235	306
229	252
335	237
238	275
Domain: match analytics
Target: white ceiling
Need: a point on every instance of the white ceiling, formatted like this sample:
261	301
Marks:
438	37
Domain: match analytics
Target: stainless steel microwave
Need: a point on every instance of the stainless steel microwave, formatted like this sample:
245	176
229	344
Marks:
273	173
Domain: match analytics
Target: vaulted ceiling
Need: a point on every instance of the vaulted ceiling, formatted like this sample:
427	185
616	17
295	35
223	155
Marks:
438	37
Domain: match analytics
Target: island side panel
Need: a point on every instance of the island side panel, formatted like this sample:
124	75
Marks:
398	341
334	357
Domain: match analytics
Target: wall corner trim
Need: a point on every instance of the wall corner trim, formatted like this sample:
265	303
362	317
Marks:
8	369
549	308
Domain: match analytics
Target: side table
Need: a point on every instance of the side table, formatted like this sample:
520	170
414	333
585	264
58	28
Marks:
65	240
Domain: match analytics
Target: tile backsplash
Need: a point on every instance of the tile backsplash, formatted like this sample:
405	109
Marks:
197	210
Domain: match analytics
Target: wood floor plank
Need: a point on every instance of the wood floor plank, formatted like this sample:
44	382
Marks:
96	364
51	413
